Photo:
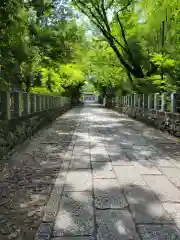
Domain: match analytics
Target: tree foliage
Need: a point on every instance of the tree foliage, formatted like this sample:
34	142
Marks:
38	47
116	45
138	44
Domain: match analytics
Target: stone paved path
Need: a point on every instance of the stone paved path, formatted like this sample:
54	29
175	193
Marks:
94	174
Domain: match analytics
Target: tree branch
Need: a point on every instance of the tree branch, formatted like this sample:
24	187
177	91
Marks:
127	5
128	50
133	68
98	23
99	12
109	5
122	30
84	6
105	16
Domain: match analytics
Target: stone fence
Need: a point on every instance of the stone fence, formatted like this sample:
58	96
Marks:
159	110
17	104
22	114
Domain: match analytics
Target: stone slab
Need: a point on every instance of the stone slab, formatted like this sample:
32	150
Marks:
65	165
44	231
97	144
72	238
135	155
82	158
108	194
52	205
173	174
61	178
100	158
144	205
68	155
126	144
81	151
78	164
103	170
145	167
98	150
119	159
80	161
160	161
94	140
175	162
115	224
82	143
173	210
78	180
75	216
128	175
163	188
158	232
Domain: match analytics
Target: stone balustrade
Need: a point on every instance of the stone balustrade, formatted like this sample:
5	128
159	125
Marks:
17	104
22	114
159	110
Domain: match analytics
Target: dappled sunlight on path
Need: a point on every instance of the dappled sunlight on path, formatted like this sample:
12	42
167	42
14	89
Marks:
95	174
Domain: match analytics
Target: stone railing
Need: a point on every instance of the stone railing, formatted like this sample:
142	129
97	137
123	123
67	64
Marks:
22	114
159	110
17	104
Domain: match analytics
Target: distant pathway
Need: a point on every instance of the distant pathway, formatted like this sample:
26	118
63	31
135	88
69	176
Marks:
113	178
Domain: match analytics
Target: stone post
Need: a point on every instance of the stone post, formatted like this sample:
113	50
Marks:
139	101
116	101
120	101
156	101
125	100
145	101
17	104
163	102
42	102
129	100
55	102
150	101
26	99
104	102
135	99
33	103
46	102
5	107
173	102
50	102
38	102
132	100
58	101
